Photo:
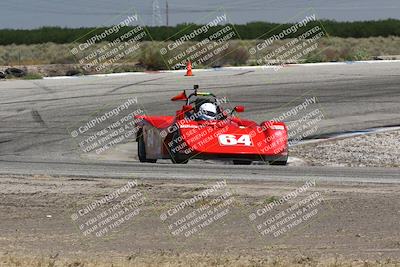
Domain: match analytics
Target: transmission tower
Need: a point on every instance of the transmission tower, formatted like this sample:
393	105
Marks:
157	19
167	12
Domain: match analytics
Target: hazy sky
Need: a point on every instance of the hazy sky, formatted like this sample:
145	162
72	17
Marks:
77	13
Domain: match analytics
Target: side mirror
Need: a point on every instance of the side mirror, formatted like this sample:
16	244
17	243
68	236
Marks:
239	109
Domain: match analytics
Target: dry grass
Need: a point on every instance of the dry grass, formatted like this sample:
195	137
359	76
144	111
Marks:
330	49
56	60
197	260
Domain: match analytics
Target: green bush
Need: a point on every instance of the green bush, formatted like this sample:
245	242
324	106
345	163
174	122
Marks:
33	76
249	31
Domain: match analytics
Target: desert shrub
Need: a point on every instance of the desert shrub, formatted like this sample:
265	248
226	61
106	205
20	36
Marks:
330	54
234	54
151	58
237	55
313	58
361	54
127	68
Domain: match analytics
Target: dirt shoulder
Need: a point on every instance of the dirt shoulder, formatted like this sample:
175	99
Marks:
346	222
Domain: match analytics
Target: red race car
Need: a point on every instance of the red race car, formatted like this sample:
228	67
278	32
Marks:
202	129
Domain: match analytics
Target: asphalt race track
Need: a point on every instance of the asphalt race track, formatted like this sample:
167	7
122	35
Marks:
36	116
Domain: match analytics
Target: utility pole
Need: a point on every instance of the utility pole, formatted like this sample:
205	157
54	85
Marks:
167	12
157	19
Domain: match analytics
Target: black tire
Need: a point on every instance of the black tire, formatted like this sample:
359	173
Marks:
142	151
179	160
279	162
2	75
241	162
176	157
15	72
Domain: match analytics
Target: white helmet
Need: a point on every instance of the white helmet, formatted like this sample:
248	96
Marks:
207	111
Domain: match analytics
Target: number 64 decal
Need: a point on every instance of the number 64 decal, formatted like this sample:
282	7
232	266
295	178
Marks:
235	139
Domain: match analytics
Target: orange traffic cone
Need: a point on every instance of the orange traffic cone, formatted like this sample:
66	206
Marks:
189	68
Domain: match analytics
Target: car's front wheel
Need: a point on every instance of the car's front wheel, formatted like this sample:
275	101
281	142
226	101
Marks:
279	162
176	157
241	162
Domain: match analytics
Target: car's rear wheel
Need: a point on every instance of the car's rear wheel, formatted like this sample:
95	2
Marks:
142	151
241	162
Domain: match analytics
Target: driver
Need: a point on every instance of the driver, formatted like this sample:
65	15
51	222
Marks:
207	112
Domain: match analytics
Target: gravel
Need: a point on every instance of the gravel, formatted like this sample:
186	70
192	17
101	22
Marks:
373	150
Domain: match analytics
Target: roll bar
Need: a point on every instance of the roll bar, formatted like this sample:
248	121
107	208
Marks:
197	93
